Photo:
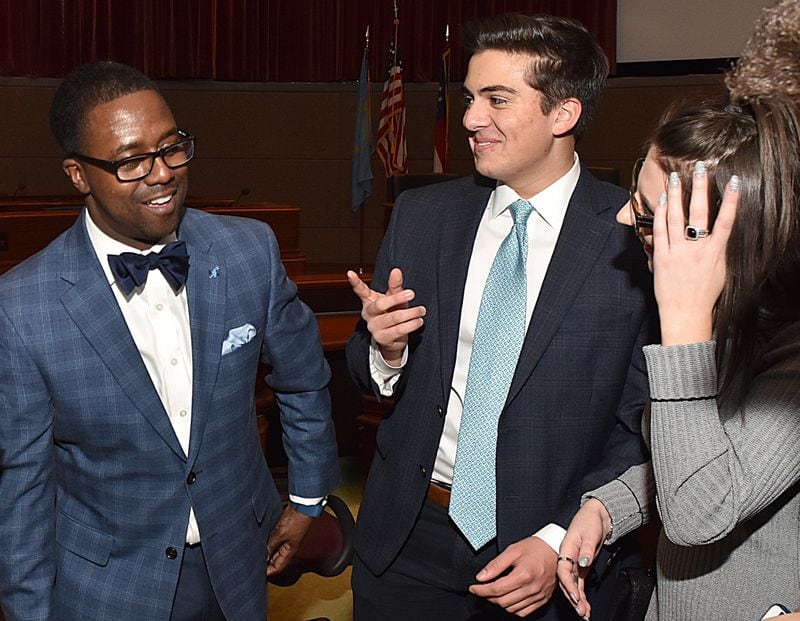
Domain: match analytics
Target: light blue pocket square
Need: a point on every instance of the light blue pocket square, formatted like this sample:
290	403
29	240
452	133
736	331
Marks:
238	337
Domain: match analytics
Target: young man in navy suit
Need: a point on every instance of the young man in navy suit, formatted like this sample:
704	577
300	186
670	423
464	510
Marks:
483	460
133	485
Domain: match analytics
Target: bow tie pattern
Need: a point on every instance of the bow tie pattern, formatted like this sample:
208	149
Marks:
130	269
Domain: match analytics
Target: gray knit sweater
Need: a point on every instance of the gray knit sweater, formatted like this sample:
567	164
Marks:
728	492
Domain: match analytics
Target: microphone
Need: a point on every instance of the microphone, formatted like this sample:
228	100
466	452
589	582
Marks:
242	193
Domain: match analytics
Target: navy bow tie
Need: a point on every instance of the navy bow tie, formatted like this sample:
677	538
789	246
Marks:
130	269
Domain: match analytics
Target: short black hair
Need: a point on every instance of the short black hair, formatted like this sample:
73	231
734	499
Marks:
566	61
83	89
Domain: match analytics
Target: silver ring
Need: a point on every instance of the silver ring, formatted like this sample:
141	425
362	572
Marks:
693	233
565	558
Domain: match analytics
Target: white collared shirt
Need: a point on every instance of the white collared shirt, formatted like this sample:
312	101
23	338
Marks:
544	227
158	321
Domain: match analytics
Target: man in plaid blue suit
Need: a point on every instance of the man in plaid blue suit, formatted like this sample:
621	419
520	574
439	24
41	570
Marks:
132	483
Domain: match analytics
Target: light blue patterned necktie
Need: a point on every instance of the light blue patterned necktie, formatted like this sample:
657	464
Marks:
499	333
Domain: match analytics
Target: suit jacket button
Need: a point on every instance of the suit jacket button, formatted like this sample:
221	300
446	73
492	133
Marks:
422	470
191	478
439	410
171	553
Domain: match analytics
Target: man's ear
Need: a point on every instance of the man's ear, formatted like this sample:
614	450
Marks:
73	169
568	113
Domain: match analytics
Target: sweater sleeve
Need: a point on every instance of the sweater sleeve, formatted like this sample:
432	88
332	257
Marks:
629	499
714	469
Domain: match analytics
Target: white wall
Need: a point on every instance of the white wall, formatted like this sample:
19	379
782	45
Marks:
651	30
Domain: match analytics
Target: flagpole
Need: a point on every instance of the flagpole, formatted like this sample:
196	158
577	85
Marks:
396	24
361	220
446	69
394	63
442	120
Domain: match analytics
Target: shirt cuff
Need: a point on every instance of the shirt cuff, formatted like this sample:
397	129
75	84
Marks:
382	373
306	506
552	535
305	501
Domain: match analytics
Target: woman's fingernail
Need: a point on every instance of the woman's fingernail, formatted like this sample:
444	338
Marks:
735	184
674	180
583	561
700	169
662	200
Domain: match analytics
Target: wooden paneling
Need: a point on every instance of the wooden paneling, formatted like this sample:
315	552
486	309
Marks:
24	233
29	223
292	144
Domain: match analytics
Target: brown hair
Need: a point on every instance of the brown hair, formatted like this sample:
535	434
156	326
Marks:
566	61
759	142
768	65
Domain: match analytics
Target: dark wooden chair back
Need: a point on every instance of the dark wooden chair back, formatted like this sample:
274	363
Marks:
327	548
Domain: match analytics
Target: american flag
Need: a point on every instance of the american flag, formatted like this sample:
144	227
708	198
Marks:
440	140
390	143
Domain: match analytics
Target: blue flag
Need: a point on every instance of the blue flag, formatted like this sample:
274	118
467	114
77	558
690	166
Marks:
362	143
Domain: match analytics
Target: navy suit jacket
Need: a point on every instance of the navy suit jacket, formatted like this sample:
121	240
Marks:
95	489
572	417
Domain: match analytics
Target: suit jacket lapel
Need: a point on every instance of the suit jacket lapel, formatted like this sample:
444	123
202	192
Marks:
94	310
207	291
582	238
459	228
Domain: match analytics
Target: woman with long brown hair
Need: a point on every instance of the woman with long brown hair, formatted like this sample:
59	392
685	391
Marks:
715	203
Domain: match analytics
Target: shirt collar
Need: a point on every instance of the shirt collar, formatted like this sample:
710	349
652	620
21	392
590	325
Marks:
551	203
105	245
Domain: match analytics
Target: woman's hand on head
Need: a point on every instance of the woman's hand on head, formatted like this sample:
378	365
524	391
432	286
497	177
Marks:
689	266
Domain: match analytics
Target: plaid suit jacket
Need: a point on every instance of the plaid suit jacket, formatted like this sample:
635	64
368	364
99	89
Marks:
95	488
572	417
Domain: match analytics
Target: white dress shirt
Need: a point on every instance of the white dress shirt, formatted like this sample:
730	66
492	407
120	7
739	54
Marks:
158	320
544	226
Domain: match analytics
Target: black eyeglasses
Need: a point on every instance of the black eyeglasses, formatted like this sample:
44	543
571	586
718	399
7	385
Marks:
642	217
139	166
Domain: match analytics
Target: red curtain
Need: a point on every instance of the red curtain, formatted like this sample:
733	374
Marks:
257	40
